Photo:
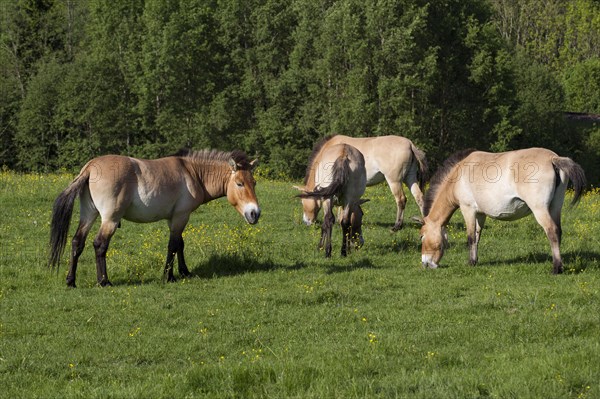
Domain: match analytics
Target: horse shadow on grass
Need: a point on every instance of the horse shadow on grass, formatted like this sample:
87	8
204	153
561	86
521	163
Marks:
573	262
364	263
223	266
232	265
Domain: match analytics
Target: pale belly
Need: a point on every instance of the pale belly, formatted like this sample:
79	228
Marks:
145	215
374	178
513	209
146	208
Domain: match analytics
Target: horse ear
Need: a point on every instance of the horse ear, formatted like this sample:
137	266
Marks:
418	220
445	241
233	165
254	164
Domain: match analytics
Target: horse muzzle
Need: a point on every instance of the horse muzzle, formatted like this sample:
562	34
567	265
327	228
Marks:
252	213
427	262
307	221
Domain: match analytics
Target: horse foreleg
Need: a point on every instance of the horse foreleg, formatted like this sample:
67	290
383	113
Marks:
183	269
101	242
471	221
398	192
173	248
176	246
346	230
479	223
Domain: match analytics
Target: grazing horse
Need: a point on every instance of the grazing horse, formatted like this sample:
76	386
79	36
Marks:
118	187
336	176
504	186
393	158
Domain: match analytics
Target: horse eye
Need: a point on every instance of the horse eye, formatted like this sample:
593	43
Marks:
239	183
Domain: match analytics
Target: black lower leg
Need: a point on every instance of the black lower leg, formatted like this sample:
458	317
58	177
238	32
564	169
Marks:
346	236
183	269
101	246
326	227
76	249
172	249
168	274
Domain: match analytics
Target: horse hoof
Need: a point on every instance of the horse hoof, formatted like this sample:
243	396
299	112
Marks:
396	228
185	273
105	283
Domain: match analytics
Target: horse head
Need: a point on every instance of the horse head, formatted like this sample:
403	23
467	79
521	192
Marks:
434	239
240	190
310	207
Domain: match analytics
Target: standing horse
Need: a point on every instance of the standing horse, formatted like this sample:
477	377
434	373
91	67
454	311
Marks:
336	176
504	186
393	158
118	187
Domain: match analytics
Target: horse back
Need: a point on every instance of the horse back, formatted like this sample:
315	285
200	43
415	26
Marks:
389	156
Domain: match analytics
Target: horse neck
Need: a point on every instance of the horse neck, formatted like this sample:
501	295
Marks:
444	205
310	182
213	176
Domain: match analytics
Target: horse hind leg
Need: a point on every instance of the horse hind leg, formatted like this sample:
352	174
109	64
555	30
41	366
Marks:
326	227
553	232
101	242
77	246
400	197
88	215
411	179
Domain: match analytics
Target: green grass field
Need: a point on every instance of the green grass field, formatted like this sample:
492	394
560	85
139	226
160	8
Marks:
265	315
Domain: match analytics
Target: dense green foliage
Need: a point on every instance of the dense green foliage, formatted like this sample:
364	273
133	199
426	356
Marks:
266	315
146	77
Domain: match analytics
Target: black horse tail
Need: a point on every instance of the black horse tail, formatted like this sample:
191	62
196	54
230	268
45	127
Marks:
61	217
421	159
575	174
339	177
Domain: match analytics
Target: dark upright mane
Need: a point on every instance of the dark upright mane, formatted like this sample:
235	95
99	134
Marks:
240	157
316	149
440	176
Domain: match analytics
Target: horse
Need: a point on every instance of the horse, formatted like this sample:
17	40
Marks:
143	191
504	186
336	175
394	159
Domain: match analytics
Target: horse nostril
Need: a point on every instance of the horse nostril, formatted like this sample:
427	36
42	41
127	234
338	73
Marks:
253	215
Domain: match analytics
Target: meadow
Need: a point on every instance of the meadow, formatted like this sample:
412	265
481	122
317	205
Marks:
266	315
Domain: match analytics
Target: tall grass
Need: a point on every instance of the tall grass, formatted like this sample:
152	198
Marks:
266	315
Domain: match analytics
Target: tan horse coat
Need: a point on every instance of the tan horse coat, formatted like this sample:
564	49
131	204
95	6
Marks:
336	175
118	187
505	186
394	159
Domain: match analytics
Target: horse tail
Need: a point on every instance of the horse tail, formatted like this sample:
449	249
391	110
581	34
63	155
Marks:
339	177
61	216
574	173
423	168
